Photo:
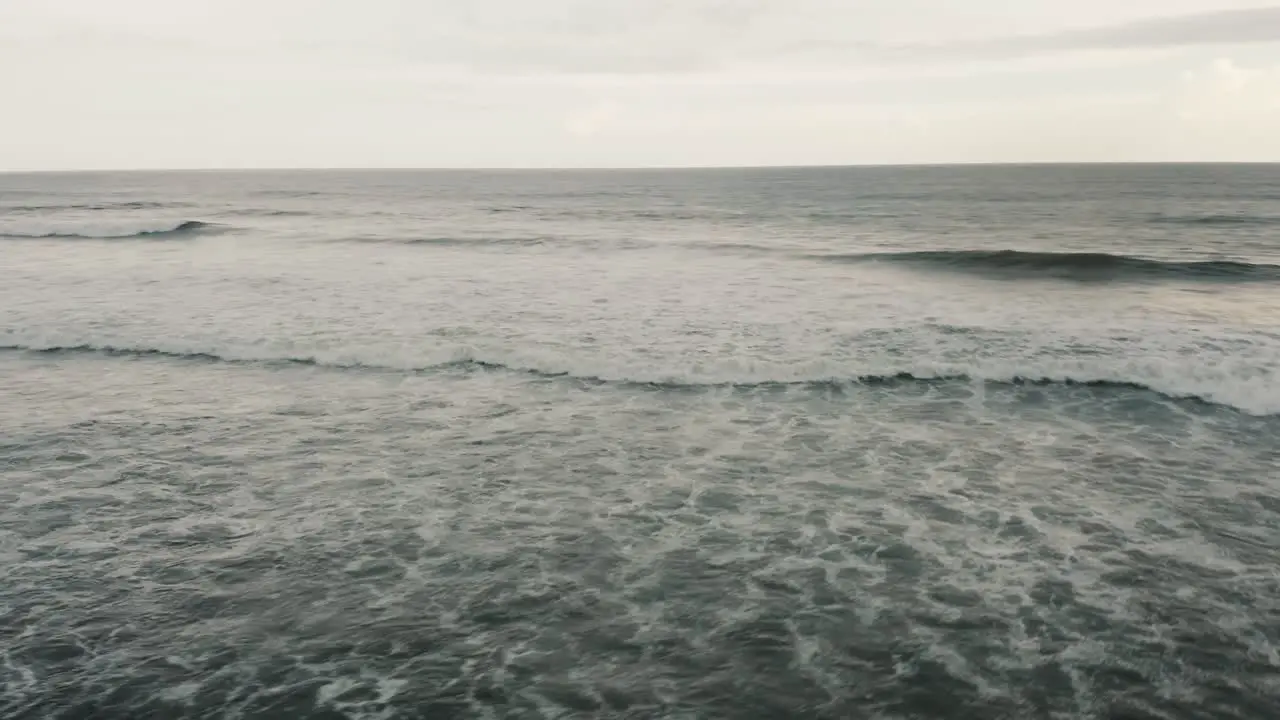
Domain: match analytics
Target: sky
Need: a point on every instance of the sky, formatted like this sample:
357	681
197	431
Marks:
92	84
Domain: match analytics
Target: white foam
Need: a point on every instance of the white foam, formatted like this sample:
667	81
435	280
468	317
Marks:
182	693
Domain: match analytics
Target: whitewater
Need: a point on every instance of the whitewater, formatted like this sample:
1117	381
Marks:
993	442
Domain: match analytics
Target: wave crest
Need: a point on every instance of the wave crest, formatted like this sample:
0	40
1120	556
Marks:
112	231
1253	391
1080	266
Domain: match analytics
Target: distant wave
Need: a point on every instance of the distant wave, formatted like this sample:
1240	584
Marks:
269	212
1222	219
131	205
1253	393
1082	266
452	241
115	230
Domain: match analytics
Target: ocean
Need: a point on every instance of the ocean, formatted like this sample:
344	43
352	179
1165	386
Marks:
897	443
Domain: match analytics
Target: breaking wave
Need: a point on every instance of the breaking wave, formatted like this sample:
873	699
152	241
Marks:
113	231
1081	266
1253	391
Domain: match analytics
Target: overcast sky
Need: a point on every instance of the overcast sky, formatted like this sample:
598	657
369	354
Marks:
570	83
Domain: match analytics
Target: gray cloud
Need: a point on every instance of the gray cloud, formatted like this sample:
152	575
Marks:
1229	27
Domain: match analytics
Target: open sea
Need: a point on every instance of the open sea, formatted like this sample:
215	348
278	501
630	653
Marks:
975	443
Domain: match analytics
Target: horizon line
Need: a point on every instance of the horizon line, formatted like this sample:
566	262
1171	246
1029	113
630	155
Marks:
626	168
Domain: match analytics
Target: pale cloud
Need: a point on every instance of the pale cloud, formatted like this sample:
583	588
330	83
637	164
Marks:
593	119
1237	108
230	83
634	36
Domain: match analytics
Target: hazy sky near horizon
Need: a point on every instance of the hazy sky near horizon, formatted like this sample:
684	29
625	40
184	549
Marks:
570	83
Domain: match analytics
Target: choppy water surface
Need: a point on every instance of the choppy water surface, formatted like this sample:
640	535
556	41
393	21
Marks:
843	443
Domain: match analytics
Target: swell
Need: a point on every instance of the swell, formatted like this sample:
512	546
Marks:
997	264
1083	266
1250	394
116	232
